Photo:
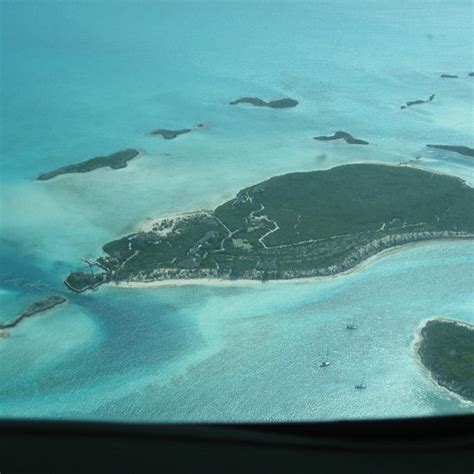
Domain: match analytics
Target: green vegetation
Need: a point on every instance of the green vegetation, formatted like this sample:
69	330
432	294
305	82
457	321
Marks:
115	161
170	134
462	150
274	104
296	225
446	349
340	135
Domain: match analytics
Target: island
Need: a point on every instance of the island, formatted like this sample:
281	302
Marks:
35	308
115	161
462	150
417	102
170	134
449	76
340	135
274	104
81	281
445	348
298	225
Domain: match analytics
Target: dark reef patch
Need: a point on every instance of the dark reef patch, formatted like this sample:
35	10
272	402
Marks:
35	308
417	102
274	104
449	76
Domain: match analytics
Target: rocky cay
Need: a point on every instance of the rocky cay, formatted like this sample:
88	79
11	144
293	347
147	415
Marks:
340	135
115	161
417	102
273	104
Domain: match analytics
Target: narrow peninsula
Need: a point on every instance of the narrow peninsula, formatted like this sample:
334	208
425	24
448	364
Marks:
273	104
35	308
340	135
115	161
297	225
462	150
446	349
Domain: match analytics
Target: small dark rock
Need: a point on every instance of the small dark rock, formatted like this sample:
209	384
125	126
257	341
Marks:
274	104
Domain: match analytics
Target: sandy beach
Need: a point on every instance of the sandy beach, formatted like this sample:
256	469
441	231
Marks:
225	282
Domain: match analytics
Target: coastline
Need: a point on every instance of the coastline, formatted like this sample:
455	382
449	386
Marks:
241	282
38	307
140	153
426	372
145	224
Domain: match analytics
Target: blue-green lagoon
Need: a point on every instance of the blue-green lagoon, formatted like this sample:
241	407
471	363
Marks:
86	79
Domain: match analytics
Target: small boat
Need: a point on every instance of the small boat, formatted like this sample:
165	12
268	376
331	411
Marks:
326	362
351	325
361	385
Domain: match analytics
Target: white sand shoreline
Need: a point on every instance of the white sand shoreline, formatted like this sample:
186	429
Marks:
426	372
226	282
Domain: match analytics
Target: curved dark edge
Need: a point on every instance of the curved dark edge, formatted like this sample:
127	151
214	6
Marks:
404	434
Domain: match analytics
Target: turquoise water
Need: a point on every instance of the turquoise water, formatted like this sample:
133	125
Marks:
80	79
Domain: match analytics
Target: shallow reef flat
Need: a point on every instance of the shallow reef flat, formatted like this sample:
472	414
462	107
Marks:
115	161
298	225
37	307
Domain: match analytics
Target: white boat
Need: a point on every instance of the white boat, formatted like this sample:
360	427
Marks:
326	362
